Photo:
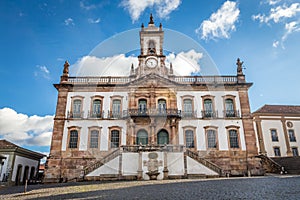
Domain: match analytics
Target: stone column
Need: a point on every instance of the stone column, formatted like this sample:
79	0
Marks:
260	138
166	171
140	168
286	137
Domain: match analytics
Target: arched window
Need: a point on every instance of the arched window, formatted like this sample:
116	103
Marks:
162	137
77	108
211	138
162	106
94	139
142	137
233	139
73	140
187	107
115	139
189	139
96	113
229	108
142	106
208	108
116	108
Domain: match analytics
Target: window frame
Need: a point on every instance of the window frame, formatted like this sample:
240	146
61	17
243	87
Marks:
294	135
215	129
73	128
139	131
113	128
233	99
297	152
73	99
112	99
93	98
237	129
276	138
94	128
193	129
277	147
192	113
213	113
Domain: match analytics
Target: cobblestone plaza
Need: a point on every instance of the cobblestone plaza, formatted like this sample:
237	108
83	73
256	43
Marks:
269	187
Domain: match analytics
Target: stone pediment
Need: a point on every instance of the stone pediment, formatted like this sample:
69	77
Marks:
153	80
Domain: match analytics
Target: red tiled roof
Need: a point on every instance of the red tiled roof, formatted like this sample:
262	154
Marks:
279	109
4	144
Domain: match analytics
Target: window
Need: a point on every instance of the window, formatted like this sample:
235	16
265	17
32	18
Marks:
151	49
274	135
115	138
73	140
277	151
94	139
116	108
162	106
211	139
208	108
187	107
233	139
142	137
142	106
96	112
295	151
76	108
162	137
189	139
292	136
229	108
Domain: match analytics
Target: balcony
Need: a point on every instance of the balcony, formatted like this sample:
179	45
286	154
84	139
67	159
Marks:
75	115
189	114
211	114
96	115
152	112
115	115
231	114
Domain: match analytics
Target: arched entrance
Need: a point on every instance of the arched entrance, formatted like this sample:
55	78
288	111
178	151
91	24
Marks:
162	137
25	176
18	175
142	137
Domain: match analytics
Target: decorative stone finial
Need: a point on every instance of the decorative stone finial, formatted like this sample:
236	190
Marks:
66	68
160	26
142	25
171	68
151	19
239	67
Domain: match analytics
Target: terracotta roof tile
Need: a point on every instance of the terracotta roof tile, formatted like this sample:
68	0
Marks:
279	109
4	144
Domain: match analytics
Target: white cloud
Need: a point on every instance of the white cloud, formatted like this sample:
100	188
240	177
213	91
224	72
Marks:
87	7
184	63
118	65
163	7
275	44
290	28
25	130
93	21
42	71
273	2
69	22
279	13
221	23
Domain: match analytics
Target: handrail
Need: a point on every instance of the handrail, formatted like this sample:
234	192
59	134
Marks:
156	147
203	161
271	162
101	162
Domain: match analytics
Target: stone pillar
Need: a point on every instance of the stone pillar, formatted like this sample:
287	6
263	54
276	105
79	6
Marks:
286	137
260	138
140	168
166	171
53	170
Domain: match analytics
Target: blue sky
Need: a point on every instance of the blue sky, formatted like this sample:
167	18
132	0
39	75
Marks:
38	36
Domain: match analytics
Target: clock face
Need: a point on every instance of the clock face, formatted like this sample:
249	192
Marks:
151	62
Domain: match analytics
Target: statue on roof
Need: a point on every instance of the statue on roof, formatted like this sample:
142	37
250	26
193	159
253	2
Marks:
151	19
66	68
239	67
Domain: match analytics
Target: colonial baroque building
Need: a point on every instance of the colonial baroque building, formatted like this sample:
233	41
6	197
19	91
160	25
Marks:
152	124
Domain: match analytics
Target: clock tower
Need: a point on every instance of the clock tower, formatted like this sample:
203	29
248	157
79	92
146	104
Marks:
151	58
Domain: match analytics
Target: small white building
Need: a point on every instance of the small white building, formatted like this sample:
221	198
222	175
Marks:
278	130
18	164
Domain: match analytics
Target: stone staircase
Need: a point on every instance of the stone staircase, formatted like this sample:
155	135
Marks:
101	162
270	165
291	164
204	162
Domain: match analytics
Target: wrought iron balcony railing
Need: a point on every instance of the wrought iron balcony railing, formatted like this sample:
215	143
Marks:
231	113
209	114
96	115
78	115
189	114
